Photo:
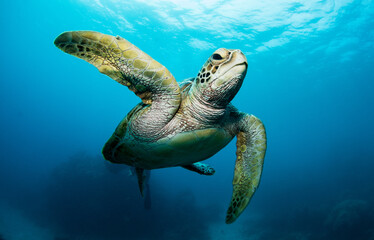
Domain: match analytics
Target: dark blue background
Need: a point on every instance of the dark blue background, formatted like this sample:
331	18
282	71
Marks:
310	80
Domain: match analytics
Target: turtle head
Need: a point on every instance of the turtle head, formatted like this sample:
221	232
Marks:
221	77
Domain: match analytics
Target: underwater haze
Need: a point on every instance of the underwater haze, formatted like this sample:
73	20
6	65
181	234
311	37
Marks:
310	79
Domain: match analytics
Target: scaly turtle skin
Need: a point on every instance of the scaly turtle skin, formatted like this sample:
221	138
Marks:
177	124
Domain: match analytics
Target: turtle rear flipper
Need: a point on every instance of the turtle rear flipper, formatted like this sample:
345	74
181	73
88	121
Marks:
143	182
250	154
141	174
147	191
131	67
201	168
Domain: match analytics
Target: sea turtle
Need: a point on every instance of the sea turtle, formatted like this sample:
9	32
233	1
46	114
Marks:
177	124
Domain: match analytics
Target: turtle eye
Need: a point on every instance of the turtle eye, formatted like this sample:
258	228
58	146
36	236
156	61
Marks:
216	56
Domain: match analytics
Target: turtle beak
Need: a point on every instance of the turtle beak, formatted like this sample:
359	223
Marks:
239	57
63	38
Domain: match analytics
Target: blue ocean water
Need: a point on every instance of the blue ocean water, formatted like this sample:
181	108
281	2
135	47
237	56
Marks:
310	80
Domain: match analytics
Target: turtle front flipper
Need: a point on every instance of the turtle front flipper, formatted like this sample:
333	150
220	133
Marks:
201	168
251	147
128	65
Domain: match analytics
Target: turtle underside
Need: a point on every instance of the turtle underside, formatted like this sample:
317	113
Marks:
179	146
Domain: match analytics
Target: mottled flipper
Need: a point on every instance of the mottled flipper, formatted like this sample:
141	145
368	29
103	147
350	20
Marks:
128	65
251	147
200	168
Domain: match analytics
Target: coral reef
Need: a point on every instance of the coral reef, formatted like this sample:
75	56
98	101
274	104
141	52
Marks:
88	198
350	219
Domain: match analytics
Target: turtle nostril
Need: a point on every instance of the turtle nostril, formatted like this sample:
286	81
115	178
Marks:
216	56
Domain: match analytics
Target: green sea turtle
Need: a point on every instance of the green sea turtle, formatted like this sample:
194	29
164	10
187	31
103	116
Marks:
177	124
